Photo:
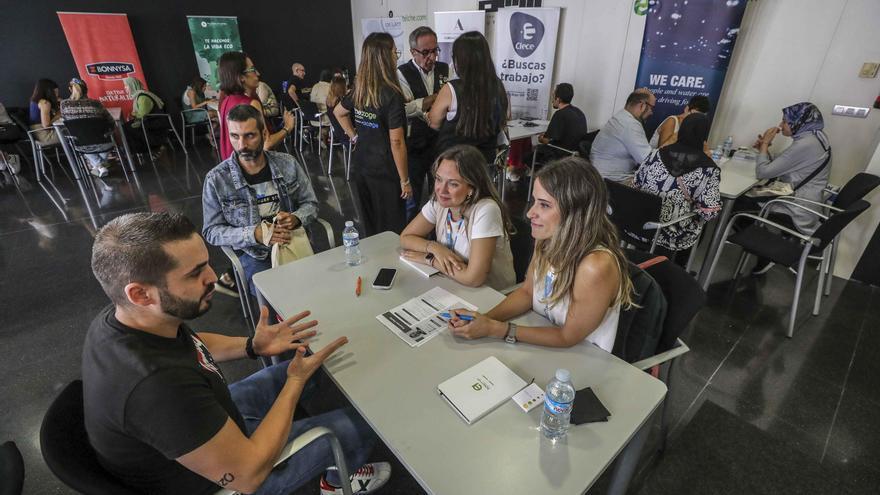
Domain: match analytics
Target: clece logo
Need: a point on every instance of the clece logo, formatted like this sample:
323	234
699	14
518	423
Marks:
109	71
640	7
477	386
204	24
526	33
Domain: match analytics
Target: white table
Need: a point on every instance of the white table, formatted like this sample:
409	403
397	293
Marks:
516	129
737	177
394	386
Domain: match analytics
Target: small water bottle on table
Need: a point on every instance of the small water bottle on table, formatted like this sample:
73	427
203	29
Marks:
351	241
728	146
558	400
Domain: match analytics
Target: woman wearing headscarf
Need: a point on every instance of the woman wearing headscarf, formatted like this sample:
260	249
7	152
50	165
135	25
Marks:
805	164
143	102
686	179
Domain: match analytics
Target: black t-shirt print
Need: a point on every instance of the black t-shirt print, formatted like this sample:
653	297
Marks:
372	155
567	128
266	192
149	400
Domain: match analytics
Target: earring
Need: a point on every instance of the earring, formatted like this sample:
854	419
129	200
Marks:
469	195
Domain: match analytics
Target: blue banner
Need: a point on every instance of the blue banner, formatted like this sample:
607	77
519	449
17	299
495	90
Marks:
685	52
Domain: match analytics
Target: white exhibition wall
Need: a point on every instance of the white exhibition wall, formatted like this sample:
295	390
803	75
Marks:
788	51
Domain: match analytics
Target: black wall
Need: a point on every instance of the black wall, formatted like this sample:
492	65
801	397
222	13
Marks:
317	33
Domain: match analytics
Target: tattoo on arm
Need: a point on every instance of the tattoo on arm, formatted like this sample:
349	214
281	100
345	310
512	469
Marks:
226	480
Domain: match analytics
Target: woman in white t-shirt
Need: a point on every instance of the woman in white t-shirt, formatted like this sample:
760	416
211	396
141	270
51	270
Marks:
470	223
578	277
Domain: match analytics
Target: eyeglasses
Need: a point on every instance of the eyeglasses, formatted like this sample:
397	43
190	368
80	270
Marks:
426	52
249	70
652	106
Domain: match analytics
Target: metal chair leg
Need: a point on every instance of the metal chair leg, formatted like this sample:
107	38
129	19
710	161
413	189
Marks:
821	284
531	177
797	295
717	255
830	268
740	265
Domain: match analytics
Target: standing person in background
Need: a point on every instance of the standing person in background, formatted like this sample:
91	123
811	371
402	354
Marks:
667	132
381	176
238	79
80	106
44	110
294	86
421	79
474	108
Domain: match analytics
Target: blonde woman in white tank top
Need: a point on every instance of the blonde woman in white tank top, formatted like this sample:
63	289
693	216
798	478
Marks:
578	277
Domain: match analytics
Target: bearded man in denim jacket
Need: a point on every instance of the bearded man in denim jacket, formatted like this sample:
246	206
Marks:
253	185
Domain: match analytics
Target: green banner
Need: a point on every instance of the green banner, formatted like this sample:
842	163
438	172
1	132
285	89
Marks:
212	37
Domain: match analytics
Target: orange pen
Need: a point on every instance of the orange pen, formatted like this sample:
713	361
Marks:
357	288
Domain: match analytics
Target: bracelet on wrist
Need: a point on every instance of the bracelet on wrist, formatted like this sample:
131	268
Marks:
404	183
249	348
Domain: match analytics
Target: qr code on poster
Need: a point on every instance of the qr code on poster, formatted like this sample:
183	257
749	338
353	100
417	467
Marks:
531	95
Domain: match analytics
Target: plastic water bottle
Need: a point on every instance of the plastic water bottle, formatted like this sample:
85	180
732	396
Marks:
351	240
728	145
558	400
717	153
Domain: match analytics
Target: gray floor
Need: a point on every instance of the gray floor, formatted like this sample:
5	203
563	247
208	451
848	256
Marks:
811	399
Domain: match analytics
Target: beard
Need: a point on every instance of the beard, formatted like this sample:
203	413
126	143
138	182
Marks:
250	155
185	309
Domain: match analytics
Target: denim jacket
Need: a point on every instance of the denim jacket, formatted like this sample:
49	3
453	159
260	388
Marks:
230	207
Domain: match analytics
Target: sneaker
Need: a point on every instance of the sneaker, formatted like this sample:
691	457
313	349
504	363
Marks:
99	171
369	478
762	267
512	175
227	284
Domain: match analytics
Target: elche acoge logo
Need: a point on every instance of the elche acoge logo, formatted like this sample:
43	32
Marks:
110	71
526	33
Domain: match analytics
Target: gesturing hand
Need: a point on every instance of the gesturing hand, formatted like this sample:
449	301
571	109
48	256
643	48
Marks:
271	340
301	367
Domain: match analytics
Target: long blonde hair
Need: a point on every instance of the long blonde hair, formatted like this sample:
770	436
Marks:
584	227
376	71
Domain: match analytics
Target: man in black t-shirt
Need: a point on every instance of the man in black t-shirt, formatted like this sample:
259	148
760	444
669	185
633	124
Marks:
293	93
567	127
158	410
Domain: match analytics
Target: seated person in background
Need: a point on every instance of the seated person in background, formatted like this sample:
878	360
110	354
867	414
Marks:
805	164
621	145
469	220
318	96
687	180
159	411
568	125
44	110
335	94
80	106
194	97
578	277
143	102
254	185
667	132
294	87
268	100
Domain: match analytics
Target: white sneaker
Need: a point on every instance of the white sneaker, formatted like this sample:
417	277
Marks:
512	176
369	478
99	171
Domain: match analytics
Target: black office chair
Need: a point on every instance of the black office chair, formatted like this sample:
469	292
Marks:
93	132
636	214
11	469
788	247
310	124
586	145
66	449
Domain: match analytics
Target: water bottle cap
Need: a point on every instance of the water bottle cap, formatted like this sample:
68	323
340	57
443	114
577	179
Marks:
563	375
349	223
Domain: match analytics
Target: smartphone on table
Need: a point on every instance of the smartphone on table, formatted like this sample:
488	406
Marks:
385	279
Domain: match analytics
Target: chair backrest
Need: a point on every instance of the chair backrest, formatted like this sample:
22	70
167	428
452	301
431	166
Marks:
857	188
684	296
639	328
11	469
339	133
309	108
837	222
586	145
631	209
66	449
90	131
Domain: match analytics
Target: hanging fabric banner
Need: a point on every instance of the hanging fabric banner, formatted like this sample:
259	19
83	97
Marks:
525	48
450	25
212	37
104	53
685	52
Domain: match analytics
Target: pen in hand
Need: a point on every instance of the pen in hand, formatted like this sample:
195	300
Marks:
447	315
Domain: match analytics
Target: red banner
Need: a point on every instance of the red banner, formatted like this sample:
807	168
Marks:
104	52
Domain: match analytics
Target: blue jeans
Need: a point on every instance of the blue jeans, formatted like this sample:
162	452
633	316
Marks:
254	397
253	266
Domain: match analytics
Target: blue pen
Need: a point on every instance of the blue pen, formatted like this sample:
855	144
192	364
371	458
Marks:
448	316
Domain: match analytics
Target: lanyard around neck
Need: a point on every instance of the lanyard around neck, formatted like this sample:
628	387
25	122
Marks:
450	238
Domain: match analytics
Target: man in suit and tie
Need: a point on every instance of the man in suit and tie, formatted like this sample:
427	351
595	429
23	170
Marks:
421	79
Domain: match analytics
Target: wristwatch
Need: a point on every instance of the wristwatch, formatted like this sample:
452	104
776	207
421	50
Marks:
510	337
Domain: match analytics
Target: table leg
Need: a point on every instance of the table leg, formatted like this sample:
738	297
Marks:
119	126
628	459
718	233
